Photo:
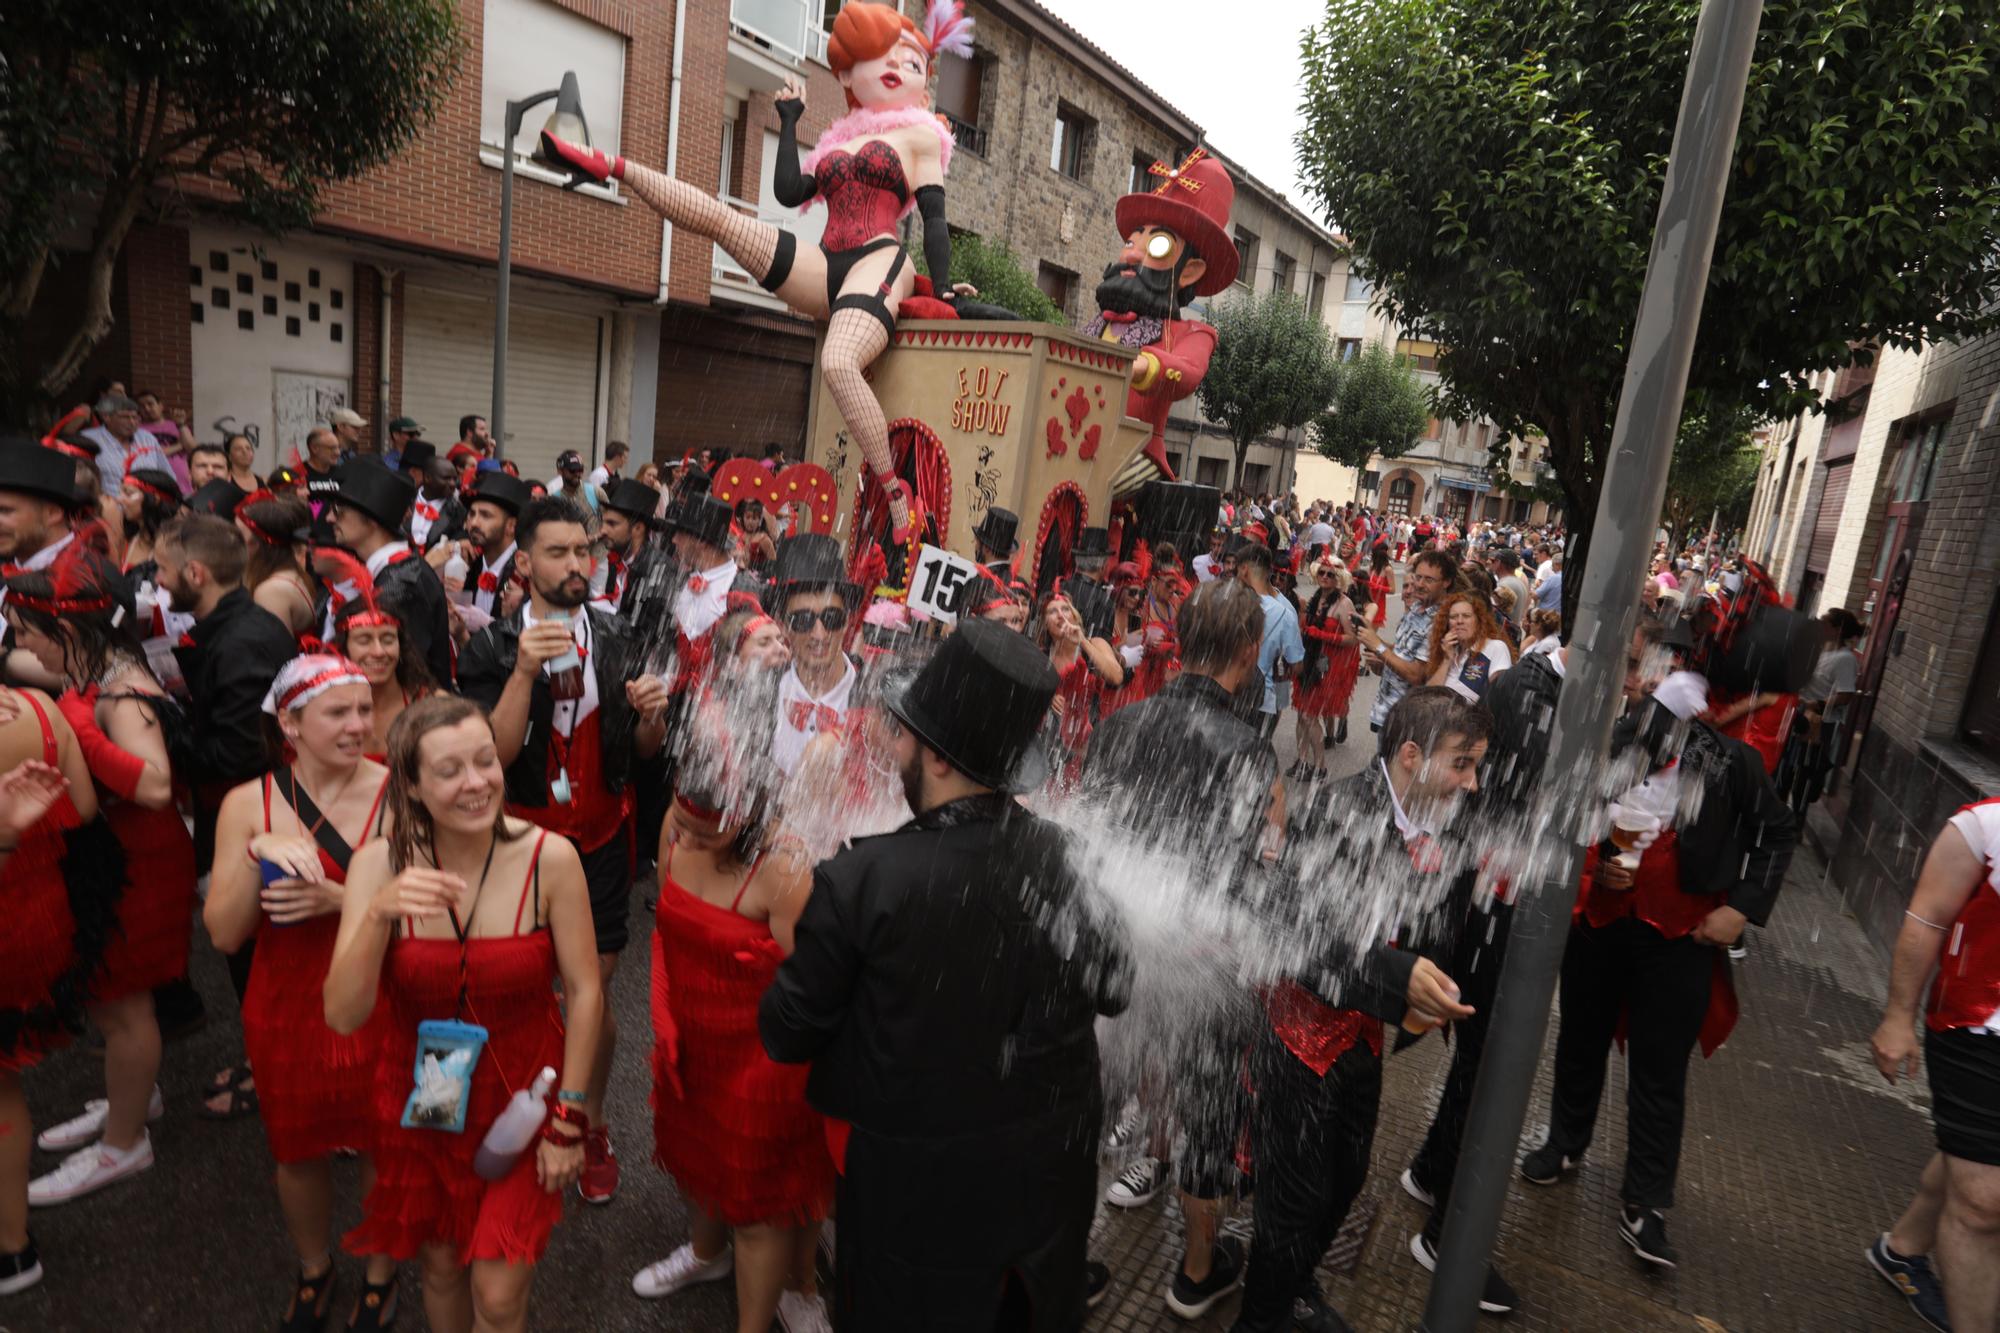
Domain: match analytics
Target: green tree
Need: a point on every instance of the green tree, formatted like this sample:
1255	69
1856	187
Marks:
1498	165
1380	409
111	112
992	268
1714	471
1273	369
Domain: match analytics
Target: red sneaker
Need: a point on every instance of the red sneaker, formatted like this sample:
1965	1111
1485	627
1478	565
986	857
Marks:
599	1181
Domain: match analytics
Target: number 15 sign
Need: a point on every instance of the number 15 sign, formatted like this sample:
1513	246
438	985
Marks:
939	583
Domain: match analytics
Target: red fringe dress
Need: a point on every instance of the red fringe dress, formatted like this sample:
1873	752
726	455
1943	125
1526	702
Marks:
426	1191
156	910
729	1124
1329	695
38	945
314	1086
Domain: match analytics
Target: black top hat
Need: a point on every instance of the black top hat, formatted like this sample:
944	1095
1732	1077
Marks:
27	467
417	453
810	560
503	489
633	497
222	497
1092	542
703	517
996	532
980	703
374	490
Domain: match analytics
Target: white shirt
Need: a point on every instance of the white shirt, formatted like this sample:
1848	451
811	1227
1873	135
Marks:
1204	568
788	742
423	514
600	477
1543	570
499	569
1409	828
696	613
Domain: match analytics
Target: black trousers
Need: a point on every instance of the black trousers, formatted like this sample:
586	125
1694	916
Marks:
1662	986
1312	1137
1475	966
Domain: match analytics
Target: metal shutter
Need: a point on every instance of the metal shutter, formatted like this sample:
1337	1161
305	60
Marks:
1826	523
552	372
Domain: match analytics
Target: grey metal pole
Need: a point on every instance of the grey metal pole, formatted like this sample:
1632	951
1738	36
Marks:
515	112
1635	483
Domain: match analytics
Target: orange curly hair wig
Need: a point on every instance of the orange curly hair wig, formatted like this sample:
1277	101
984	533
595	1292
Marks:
864	30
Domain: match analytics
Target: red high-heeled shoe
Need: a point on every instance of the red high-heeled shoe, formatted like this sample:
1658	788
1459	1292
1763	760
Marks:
592	162
894	486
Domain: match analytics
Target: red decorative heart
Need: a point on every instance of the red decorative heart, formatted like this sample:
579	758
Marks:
1057	444
1088	449
1078	407
802	484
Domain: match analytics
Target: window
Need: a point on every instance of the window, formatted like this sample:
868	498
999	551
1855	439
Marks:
1143	179
961	86
1358	288
1211	472
1058	284
1350	348
1401	491
1283	266
526	39
1070	153
1256	478
1422	354
1316	294
1246	249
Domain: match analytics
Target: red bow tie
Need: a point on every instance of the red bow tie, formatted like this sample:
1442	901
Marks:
186	641
814	717
1426	855
489	582
428	511
697	585
8	571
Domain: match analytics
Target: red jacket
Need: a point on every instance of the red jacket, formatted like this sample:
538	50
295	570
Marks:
1168	371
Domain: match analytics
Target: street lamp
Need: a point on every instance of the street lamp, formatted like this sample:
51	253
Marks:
567	123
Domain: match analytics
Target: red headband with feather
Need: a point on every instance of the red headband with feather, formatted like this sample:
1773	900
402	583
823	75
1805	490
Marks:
349	570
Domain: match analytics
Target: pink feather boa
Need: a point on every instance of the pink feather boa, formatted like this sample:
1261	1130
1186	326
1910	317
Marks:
862	123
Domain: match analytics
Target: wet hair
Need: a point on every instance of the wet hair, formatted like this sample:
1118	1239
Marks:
279	515
213	542
159	499
1428	716
1166	557
1216	623
410	827
544	510
47	600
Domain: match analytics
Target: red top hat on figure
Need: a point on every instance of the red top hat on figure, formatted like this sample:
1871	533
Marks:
1192	201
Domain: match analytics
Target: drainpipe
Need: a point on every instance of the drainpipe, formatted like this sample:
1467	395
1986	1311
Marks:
382	413
673	146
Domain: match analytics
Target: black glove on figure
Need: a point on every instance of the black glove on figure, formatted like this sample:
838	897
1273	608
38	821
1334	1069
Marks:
937	240
791	186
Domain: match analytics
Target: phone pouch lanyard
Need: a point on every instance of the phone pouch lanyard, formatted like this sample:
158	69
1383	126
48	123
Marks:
447	1053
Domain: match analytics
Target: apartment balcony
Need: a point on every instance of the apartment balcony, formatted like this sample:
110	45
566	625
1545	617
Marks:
966	135
771	40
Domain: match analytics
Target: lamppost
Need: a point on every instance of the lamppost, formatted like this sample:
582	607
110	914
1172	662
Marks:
567	123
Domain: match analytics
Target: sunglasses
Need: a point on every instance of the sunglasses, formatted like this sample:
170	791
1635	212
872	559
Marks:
833	617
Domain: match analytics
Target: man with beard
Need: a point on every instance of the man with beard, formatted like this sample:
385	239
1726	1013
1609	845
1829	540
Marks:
487	548
368	517
632	563
570	714
1177	247
944	985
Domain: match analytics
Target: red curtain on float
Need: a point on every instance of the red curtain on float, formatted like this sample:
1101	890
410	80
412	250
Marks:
1055	536
925	468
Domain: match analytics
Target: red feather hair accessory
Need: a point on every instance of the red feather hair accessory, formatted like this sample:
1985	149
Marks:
347	570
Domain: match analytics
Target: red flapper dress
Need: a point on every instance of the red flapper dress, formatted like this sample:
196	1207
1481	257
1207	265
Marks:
37	946
156	910
426	1191
313	1085
1328	696
729	1124
1379	587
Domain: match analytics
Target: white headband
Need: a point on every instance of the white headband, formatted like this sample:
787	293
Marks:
304	679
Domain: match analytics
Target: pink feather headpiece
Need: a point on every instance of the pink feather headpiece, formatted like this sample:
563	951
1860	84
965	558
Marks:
948	29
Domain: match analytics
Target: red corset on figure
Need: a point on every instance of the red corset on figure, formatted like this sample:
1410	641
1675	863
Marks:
865	193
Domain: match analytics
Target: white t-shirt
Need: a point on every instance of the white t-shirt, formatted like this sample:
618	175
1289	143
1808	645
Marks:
600	477
1470	674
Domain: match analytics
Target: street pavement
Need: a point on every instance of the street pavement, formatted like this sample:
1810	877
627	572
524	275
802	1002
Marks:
1796	1155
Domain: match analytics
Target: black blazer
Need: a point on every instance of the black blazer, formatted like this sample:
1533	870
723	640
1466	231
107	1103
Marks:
235	652
411	591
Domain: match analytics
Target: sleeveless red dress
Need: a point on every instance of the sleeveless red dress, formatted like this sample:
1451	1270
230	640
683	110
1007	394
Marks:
730	1125
37	946
156	910
313	1085
426	1191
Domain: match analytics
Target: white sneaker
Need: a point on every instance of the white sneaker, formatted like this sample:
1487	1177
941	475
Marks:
1137	1184
800	1313
88	1170
1415	1190
89	1127
681	1269
1125	1133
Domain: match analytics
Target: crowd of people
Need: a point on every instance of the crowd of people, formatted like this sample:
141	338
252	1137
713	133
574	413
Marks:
405	731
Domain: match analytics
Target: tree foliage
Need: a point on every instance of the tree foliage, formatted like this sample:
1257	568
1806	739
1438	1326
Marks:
1273	369
113	110
1714	470
1498	165
1380	408
993	268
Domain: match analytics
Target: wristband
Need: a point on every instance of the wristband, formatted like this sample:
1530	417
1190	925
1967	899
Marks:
572	1096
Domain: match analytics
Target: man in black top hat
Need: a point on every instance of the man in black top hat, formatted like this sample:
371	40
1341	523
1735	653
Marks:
944	987
698	526
633	572
994	541
491	572
1086	589
368	517
814	603
220	497
438	515
37	491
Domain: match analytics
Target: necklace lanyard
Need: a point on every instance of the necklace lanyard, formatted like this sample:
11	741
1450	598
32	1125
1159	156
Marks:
464	931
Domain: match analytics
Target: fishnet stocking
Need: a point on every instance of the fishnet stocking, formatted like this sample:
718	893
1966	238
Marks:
749	242
854	338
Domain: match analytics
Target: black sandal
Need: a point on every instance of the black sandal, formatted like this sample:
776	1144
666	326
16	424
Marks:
310	1300
377	1308
242	1099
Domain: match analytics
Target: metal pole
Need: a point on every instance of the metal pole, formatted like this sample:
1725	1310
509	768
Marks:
515	111
1635	483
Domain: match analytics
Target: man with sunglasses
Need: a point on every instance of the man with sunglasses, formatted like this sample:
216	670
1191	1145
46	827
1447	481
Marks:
815	603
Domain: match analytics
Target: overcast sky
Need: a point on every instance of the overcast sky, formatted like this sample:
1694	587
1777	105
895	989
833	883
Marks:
1231	67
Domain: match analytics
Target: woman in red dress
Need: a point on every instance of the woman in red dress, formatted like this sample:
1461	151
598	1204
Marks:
732	1127
68	617
371	637
299	825
1142	632
48	948
1381	583
1333	661
1089	669
465	913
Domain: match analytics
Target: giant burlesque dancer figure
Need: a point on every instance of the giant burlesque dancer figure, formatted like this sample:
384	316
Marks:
886	156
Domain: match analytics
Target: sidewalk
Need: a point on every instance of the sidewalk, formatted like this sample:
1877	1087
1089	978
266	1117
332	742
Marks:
1796	1155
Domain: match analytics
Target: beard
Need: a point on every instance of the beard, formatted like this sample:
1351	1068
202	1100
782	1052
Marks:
571	593
912	775
181	597
1147	292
